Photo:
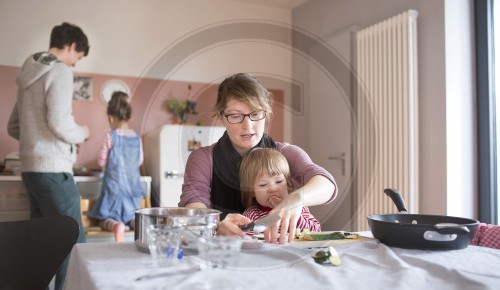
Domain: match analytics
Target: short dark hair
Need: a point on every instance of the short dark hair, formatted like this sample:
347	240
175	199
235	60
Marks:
67	34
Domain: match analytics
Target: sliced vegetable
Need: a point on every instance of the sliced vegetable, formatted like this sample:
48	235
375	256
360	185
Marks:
351	235
320	257
329	236
333	252
330	256
321	254
335	260
306	237
298	233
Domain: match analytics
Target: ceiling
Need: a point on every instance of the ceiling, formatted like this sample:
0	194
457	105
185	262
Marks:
285	4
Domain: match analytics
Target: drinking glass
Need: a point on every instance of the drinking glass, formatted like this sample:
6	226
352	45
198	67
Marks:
195	226
164	243
218	253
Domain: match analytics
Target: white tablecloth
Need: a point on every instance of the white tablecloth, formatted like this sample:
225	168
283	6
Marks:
366	265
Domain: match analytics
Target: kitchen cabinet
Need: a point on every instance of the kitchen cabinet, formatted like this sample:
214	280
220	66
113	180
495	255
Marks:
14	203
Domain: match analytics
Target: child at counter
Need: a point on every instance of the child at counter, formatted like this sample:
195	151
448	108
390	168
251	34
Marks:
121	156
264	182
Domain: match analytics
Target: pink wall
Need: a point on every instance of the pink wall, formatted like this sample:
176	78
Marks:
8	89
148	104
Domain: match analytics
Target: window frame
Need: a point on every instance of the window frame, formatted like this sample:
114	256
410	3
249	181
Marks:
485	88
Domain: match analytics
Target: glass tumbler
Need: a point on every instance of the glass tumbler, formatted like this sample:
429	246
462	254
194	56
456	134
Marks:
219	252
164	242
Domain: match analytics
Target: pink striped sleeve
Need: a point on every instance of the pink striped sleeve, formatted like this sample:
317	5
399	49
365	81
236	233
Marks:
103	154
142	153
254	213
307	220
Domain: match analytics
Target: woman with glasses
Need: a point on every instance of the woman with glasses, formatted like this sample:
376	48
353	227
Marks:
211	177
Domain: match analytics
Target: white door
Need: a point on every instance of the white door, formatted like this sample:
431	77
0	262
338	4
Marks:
330	138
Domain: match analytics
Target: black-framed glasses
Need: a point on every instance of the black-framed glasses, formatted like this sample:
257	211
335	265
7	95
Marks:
239	118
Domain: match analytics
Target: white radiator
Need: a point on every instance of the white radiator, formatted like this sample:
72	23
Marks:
387	111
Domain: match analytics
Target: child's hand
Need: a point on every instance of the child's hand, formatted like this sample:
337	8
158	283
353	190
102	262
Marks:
274	200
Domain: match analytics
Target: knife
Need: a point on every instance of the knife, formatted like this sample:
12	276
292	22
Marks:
260	225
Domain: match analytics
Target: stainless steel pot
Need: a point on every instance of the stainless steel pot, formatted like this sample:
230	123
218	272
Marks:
201	221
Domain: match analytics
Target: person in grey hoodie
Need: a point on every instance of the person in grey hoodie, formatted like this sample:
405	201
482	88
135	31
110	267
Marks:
48	135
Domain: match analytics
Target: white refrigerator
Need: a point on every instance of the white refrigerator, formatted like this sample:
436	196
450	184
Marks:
166	151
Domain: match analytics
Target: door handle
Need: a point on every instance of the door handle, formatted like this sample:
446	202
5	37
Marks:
170	174
342	160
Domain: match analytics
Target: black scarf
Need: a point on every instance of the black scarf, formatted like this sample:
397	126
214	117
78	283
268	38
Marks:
225	195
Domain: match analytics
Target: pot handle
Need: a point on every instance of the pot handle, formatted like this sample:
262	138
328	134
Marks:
397	199
451	228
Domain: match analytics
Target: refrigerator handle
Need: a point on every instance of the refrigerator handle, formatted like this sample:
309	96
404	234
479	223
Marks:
170	174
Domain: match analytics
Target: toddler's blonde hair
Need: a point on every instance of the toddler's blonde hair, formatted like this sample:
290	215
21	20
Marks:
256	163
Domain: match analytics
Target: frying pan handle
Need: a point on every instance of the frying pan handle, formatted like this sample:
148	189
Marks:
397	199
451	228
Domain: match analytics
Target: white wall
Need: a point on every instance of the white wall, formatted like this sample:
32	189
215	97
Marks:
128	36
436	88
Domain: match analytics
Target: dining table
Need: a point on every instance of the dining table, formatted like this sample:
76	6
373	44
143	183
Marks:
366	264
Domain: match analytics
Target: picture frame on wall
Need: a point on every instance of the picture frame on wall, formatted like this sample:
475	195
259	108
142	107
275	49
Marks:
82	88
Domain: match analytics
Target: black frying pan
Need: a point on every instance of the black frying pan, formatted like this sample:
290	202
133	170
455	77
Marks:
417	231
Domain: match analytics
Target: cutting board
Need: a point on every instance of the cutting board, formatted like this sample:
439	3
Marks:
303	244
327	243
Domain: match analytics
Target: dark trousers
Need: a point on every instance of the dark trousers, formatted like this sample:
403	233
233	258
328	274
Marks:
54	194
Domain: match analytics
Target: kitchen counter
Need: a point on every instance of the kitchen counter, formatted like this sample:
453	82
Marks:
14	203
10	177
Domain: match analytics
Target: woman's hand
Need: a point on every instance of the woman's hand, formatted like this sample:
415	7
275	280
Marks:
289	210
230	226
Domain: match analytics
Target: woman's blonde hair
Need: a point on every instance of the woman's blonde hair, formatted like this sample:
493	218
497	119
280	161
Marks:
256	163
245	88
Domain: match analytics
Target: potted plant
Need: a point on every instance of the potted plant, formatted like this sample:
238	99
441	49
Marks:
181	109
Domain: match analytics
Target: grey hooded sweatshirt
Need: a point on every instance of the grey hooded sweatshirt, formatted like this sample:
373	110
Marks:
42	118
